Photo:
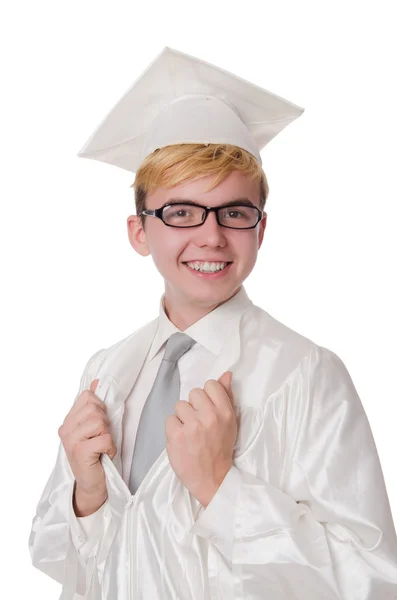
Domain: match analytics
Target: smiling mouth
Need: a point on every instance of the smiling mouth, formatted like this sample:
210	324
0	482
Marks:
209	272
226	263
220	261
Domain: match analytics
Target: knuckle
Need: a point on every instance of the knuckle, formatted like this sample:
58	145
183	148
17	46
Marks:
195	426
92	410
93	399
108	444
209	383
194	391
100	404
99	422
76	450
178	434
212	420
229	417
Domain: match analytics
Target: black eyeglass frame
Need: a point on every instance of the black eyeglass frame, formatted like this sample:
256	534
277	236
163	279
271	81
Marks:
158	212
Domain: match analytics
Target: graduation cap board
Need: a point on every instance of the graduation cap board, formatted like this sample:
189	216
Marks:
182	99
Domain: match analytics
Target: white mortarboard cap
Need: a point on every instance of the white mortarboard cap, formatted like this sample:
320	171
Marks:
182	99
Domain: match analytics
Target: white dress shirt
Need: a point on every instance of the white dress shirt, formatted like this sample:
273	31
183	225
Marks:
210	333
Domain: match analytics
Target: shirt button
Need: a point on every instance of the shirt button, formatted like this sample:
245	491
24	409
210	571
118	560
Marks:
81	538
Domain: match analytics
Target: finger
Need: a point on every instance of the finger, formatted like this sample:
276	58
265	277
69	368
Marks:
172	427
90	408
89	412
218	394
200	400
86	431
226	381
102	444
184	411
228	375
85	397
93	408
85	394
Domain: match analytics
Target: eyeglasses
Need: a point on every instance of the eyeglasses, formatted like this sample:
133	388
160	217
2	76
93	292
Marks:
241	216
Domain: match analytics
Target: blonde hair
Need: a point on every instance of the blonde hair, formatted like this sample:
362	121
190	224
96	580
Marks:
170	165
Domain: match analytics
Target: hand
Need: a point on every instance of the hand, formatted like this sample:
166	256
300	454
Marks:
200	437
85	436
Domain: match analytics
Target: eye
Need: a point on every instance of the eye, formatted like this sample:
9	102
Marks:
179	213
234	212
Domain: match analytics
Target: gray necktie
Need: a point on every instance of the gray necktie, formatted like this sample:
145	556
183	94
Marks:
150	440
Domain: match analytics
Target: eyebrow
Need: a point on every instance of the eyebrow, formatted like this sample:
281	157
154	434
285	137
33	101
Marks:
235	202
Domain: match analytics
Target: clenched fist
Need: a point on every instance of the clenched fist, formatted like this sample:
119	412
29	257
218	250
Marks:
85	436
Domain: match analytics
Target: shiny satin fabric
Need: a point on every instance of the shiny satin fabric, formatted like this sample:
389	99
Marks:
303	513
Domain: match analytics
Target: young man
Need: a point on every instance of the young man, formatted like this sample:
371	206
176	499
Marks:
214	453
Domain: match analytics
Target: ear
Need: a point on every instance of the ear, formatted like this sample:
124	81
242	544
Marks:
137	235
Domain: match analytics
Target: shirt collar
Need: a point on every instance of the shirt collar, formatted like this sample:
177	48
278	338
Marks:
211	331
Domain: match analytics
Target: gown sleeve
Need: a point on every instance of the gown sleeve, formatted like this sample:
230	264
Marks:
91	527
329	532
61	545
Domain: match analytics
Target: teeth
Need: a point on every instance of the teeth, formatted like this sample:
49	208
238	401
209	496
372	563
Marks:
207	267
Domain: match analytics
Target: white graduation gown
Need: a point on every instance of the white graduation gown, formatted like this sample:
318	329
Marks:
303	513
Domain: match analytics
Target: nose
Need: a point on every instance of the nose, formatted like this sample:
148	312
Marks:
210	233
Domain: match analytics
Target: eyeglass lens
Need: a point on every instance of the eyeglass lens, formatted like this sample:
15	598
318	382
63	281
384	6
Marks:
186	215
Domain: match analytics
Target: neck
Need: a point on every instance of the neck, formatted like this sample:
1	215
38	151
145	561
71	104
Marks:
183	313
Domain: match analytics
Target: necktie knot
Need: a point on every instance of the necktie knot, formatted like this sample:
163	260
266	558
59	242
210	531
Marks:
178	343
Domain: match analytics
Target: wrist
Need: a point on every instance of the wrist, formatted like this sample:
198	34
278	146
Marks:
208	490
86	503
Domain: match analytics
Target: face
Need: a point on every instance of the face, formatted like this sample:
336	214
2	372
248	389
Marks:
188	292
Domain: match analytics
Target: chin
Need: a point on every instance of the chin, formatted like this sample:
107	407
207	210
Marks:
208	297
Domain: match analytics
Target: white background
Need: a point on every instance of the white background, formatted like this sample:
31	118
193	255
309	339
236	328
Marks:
73	284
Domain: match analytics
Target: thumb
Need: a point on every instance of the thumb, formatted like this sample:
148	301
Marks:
94	385
226	381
